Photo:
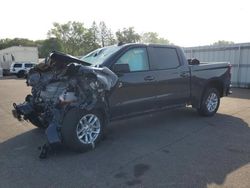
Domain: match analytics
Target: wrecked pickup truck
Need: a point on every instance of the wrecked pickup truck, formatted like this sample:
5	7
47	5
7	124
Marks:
74	99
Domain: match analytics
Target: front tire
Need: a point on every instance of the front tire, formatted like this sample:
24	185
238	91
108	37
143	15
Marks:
210	102
82	130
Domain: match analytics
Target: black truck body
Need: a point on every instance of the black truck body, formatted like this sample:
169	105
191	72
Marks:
74	99
157	88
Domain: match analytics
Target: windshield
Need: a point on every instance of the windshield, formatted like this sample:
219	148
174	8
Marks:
98	56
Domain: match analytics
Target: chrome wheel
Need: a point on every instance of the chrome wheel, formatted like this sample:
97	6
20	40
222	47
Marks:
88	128
212	102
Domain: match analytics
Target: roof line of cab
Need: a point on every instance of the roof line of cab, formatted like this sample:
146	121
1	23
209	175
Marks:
147	44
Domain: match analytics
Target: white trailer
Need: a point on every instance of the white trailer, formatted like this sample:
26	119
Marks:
17	54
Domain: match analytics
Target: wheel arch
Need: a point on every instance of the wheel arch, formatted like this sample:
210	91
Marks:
212	83
104	112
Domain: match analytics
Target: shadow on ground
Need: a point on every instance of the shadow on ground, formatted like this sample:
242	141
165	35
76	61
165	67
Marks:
174	149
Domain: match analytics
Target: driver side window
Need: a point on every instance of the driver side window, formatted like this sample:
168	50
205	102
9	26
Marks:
136	59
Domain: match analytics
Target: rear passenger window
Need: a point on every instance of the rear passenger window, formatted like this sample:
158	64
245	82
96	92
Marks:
136	58
28	65
18	65
163	58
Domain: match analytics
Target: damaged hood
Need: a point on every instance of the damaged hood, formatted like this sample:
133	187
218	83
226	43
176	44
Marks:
56	56
60	65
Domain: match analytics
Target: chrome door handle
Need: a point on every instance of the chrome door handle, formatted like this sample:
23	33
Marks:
149	78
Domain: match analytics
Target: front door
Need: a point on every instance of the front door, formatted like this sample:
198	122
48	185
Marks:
136	89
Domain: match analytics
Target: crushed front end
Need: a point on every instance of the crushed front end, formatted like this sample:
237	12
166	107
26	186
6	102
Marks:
60	84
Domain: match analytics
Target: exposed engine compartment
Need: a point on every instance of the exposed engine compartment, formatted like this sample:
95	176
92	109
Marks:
52	91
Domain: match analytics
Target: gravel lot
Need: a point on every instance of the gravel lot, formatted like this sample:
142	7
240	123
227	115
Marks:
166	149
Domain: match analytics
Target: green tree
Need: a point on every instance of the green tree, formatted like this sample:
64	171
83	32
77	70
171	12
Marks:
222	43
5	43
90	42
103	33
75	38
95	31
110	38
49	45
153	37
127	35
162	40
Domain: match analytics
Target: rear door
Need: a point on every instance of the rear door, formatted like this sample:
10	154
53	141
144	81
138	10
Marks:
28	66
173	77
137	88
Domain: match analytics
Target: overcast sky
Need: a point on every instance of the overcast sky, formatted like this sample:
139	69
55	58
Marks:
183	22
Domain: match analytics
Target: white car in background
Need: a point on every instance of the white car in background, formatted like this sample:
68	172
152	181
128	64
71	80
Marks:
20	69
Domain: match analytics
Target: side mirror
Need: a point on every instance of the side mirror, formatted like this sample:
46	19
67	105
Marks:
193	62
121	68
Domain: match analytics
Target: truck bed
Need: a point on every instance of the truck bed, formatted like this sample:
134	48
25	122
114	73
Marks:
206	72
209	66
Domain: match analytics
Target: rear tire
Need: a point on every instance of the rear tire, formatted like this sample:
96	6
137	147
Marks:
82	130
210	102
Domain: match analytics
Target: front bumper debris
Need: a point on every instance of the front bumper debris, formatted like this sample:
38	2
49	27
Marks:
22	110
